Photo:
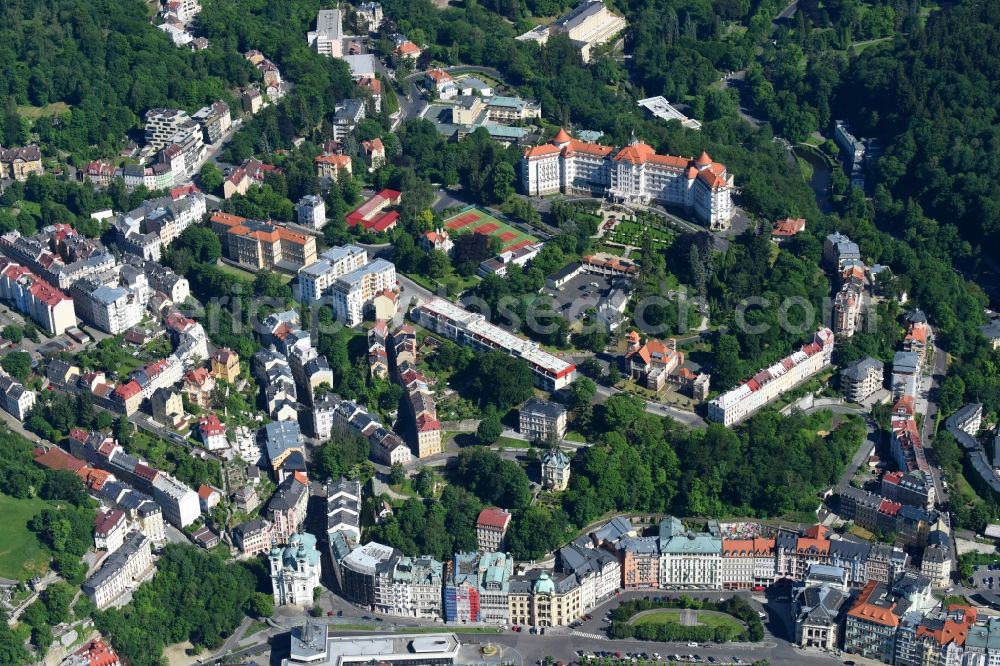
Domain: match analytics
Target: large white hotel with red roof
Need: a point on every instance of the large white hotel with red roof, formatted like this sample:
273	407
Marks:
633	174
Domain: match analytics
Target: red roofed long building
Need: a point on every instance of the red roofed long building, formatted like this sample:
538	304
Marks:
740	402
635	173
47	306
371	215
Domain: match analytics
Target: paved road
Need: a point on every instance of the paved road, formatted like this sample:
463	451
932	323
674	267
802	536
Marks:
687	418
938	370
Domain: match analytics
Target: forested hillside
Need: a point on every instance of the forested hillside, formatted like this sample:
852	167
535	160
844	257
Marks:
934	100
107	62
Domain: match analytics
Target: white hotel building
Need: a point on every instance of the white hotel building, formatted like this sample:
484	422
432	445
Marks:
740	402
551	372
633	174
316	279
355	290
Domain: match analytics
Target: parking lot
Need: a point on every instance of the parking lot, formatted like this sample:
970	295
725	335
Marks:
581	292
986	577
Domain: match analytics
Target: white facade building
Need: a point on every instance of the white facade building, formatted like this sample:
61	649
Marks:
466	328
740	402
354	291
634	174
295	571
316	279
311	211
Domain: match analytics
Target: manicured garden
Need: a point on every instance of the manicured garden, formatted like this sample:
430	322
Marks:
630	232
702	618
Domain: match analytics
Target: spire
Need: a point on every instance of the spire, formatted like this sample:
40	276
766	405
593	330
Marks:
561	137
703	160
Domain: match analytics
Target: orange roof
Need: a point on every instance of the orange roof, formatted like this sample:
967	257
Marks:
918	332
756	546
205	491
577	146
408	48
438	75
713	175
539	151
301	478
561	136
868	611
338	161
227	219
788	226
493	517
56	458
703	159
129	390
93	478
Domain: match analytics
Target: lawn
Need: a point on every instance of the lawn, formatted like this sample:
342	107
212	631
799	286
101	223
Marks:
477	220
36	112
21	554
247	276
712	619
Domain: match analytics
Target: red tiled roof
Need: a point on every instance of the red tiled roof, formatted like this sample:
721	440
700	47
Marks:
493	517
129	390
56	458
210	425
788	226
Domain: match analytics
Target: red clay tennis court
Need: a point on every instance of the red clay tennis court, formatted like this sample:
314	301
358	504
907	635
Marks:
463	221
487	228
517	246
507	236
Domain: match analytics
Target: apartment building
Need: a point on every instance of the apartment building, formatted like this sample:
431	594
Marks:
180	504
873	620
47	306
635	174
936	561
253	537
141	510
366	573
455	323
544	599
387	447
15	399
491	529
162	124
838	249
542	420
416	588
328	37
295	571
505	110
588	25
905	374
343	507
121	571
915	488
263	244
370	15
861	379
740	567
287	507
353	292
768	384
215	120
919	337
847	309
310	211
112	310
316	280
110	528
330	166
283	442
19	163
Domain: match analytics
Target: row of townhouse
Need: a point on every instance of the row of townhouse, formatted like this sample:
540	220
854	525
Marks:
270	74
160	279
47	306
911	525
351	419
551	372
271	370
179	502
60	255
260	245
155	224
635	173
422	425
141	511
770	383
283	333
121	571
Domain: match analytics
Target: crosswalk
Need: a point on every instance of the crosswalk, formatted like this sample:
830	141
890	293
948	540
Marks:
583	634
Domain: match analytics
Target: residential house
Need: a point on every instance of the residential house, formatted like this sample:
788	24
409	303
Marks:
861	379
542	420
253	537
555	470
